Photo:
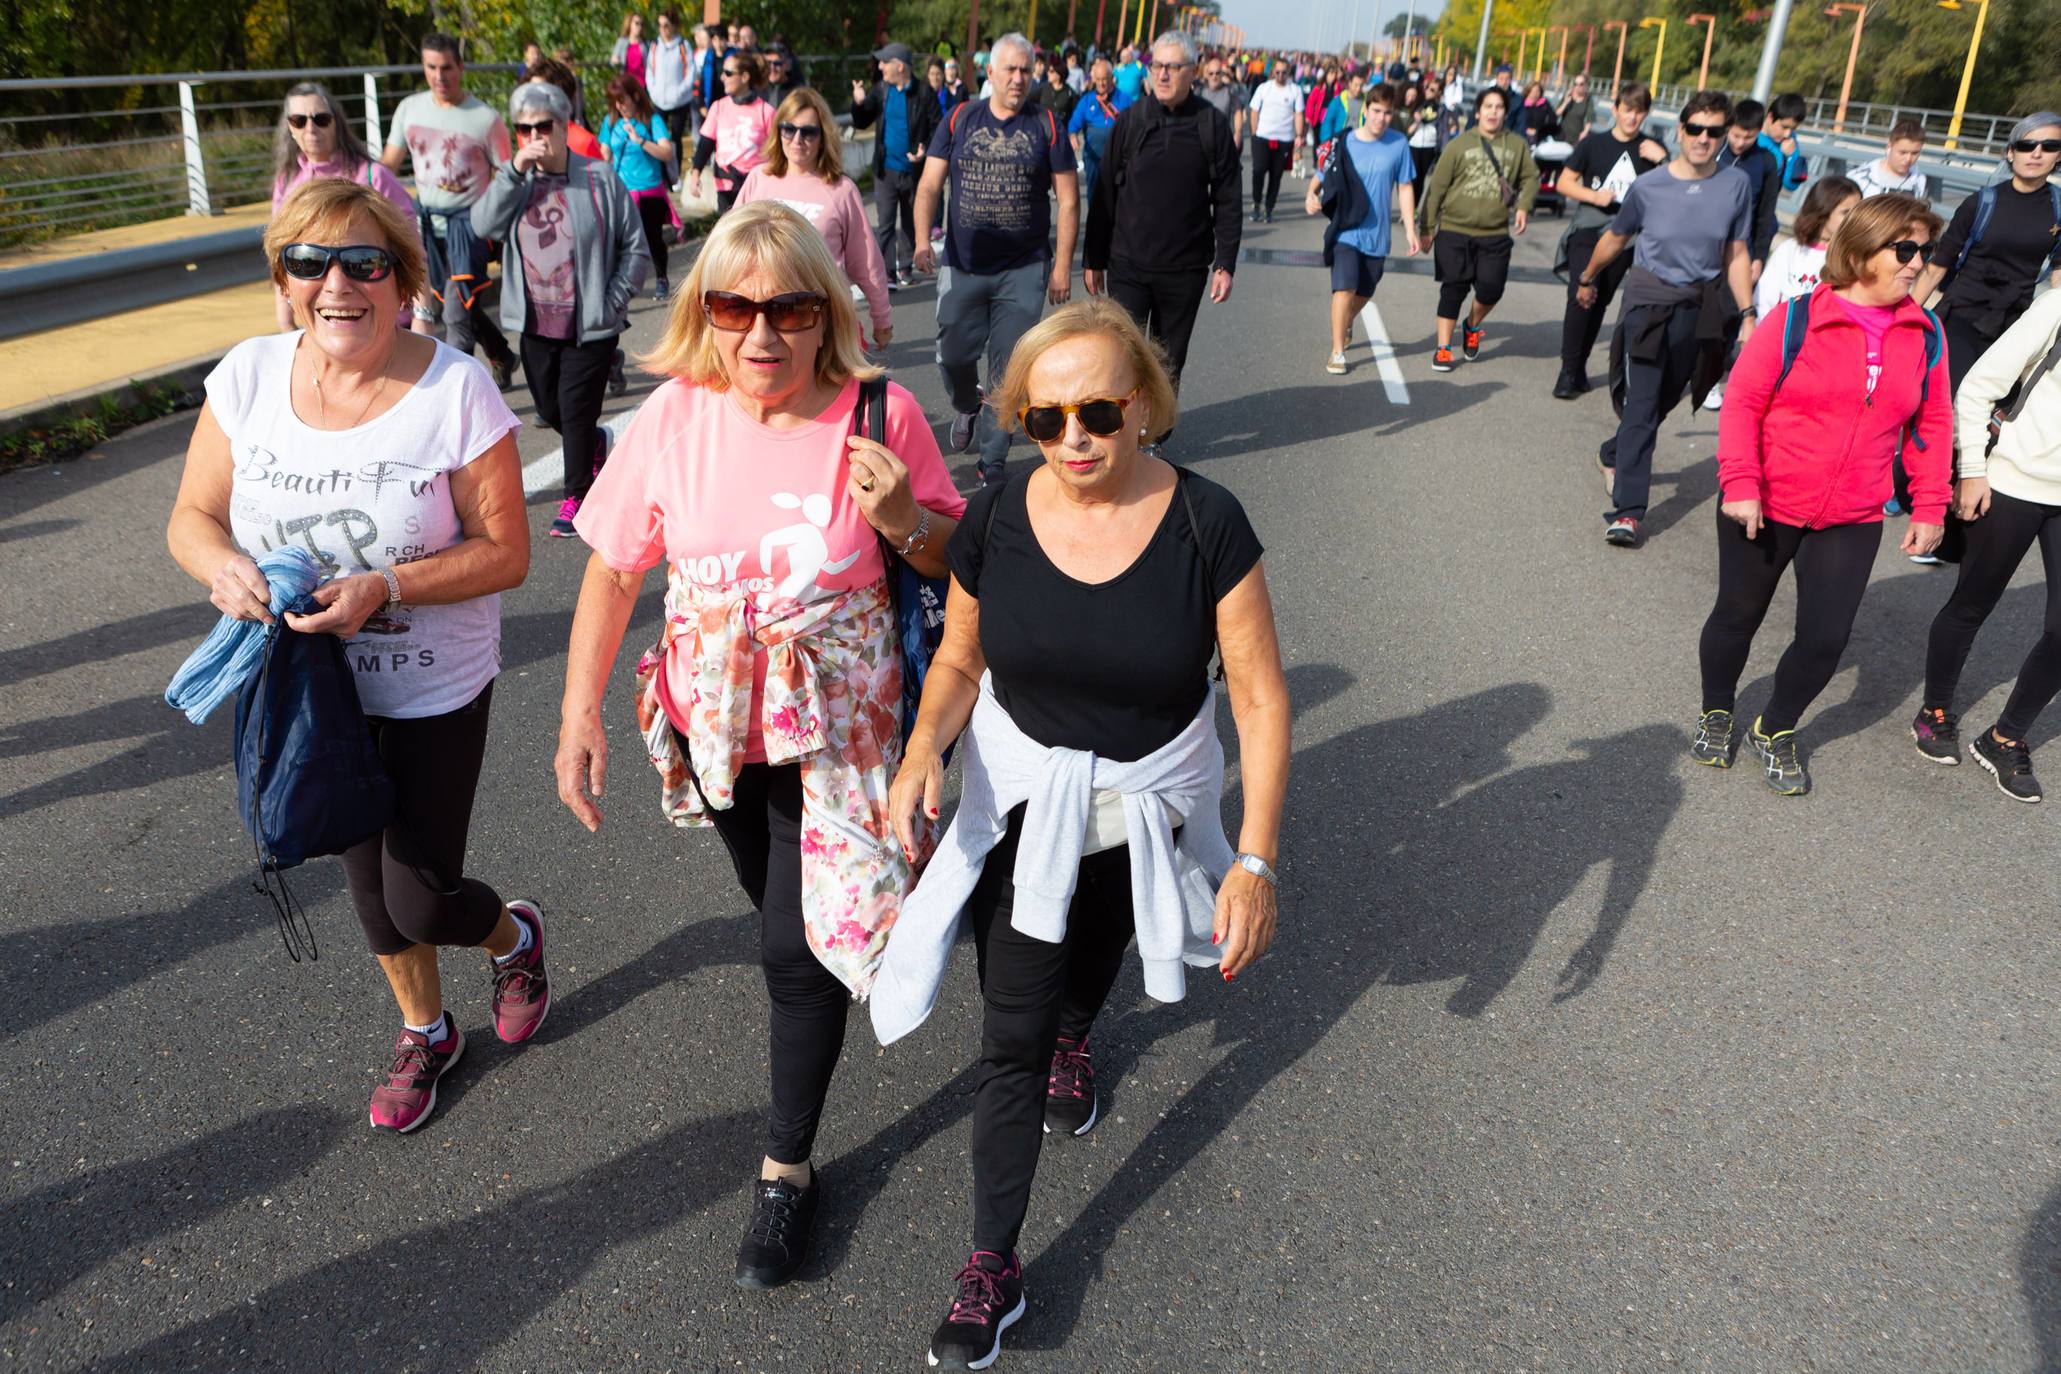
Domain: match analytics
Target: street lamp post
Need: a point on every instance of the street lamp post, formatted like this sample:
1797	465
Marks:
1709	22
1853	55
1588	53
1617	72
1659	47
1538	61
1488	10
1560	62
1953	138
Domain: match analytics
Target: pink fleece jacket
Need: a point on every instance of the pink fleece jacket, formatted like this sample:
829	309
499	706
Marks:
840	216
1818	452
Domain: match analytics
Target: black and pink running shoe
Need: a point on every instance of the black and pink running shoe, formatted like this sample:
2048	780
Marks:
409	1094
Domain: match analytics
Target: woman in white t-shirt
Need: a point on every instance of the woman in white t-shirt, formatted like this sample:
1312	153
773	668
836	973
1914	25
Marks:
391	457
1793	267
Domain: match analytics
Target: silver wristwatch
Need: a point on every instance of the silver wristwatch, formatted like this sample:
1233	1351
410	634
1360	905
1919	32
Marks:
1259	868
393	586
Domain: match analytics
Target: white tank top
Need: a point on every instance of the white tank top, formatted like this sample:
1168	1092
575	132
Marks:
368	498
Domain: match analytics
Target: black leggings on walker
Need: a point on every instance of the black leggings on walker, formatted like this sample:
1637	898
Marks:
762	828
1997	544
1032	993
1832	567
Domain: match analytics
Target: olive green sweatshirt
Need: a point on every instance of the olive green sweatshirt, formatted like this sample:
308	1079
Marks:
1464	195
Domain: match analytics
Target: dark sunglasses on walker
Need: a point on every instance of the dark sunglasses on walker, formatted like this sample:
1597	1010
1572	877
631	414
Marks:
1691	129
802	133
361	262
300	121
1101	417
792	313
2037	145
1906	249
538	129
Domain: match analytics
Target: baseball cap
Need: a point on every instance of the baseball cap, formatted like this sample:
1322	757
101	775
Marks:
894	52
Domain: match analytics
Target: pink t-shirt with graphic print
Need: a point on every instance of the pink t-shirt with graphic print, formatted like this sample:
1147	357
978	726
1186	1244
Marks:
735	505
740	133
1874	321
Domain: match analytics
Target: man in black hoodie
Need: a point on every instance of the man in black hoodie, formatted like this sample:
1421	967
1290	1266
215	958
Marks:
1164	220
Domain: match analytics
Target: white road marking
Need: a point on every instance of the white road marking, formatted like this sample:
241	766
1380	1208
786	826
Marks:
545	472
1384	356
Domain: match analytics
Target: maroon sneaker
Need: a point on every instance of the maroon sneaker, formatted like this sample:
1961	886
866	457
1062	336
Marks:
522	990
409	1094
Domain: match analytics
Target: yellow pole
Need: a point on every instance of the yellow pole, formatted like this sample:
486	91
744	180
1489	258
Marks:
1033	30
1953	138
1659	47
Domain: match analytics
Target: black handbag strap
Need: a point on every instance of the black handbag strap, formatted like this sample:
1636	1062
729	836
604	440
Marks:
2037	375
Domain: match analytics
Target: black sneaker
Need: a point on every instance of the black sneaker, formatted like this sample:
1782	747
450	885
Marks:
2010	764
617	382
1259	217
1714	745
1938	735
504	371
1470	341
1566	388
777	1239
662	293
990	1301
1622	532
1070	1105
1782	761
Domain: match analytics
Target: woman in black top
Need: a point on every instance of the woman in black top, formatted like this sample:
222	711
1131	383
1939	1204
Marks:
1093	589
1986	294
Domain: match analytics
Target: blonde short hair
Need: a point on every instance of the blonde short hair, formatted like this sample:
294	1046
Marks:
829	152
321	211
1097	315
764	236
1869	228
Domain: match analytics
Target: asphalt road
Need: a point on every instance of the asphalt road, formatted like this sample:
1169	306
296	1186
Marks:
1571	1055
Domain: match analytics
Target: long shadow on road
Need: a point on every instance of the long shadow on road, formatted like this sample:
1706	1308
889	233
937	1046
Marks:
2039	1280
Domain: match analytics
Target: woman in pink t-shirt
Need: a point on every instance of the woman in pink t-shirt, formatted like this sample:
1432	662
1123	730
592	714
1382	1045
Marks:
316	140
804	171
771	703
735	131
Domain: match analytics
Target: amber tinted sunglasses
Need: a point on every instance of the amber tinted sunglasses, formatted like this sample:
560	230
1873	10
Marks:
1101	417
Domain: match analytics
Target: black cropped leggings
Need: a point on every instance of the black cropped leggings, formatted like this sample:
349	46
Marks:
1997	544
651	212
408	882
1832	568
762	827
1032	993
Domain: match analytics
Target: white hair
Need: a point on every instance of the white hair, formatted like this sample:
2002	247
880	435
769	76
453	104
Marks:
1012	40
533	93
1174	38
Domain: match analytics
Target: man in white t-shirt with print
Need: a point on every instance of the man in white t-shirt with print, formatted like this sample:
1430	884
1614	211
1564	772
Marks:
1897	169
1276	119
455	141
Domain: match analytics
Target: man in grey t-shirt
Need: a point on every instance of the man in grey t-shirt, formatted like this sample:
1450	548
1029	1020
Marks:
1227	95
1693	220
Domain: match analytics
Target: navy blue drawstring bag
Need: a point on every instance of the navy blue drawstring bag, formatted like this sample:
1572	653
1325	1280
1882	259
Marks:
309	779
919	601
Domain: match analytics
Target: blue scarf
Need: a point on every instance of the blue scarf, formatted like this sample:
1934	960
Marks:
217	670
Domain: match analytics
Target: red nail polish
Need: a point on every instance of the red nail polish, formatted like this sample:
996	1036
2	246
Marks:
1216	939
1229	976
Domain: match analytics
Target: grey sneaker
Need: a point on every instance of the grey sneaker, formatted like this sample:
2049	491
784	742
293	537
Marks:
1938	735
1781	760
1714	745
2009	763
962	428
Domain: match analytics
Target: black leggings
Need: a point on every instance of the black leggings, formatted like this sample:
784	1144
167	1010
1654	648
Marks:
1033	993
762	827
408	882
1269	162
652	211
568	381
1832	568
1996	546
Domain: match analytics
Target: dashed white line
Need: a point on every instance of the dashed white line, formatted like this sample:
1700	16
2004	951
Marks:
1384	356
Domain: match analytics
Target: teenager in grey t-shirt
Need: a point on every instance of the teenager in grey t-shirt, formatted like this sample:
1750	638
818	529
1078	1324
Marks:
1684	226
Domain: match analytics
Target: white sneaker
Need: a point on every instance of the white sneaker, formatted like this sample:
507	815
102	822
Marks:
1336	365
1716	397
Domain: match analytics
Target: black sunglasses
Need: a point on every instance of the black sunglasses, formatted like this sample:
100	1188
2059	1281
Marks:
732	71
1691	129
801	132
361	261
791	313
1101	417
541	127
300	121
1906	249
2037	145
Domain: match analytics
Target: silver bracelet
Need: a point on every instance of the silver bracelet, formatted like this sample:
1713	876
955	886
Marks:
916	535
393	586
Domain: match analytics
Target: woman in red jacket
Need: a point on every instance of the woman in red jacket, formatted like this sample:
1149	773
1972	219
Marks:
1804	466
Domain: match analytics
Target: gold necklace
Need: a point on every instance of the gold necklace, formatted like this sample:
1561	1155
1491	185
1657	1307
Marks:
322	401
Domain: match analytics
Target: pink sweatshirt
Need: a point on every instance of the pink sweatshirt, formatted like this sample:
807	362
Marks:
840	216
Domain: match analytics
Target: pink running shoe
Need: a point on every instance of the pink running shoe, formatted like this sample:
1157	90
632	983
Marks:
522	990
562	526
409	1094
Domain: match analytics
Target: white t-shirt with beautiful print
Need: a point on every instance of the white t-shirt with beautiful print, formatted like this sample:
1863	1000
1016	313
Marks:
367	498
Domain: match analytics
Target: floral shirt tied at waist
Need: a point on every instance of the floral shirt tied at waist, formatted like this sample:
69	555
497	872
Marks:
832	704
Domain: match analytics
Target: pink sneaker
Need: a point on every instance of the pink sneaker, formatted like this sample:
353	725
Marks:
562	526
409	1094
522	990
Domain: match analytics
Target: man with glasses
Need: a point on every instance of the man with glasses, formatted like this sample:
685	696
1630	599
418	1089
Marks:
1227	95
1691	281
907	118
1164	221
1003	157
456	141
781	77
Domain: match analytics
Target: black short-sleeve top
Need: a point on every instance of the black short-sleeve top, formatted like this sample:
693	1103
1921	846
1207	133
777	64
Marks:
1120	667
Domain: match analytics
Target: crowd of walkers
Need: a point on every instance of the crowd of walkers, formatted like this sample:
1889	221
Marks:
795	496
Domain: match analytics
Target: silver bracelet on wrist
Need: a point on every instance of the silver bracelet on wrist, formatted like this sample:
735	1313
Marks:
916	535
393	586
